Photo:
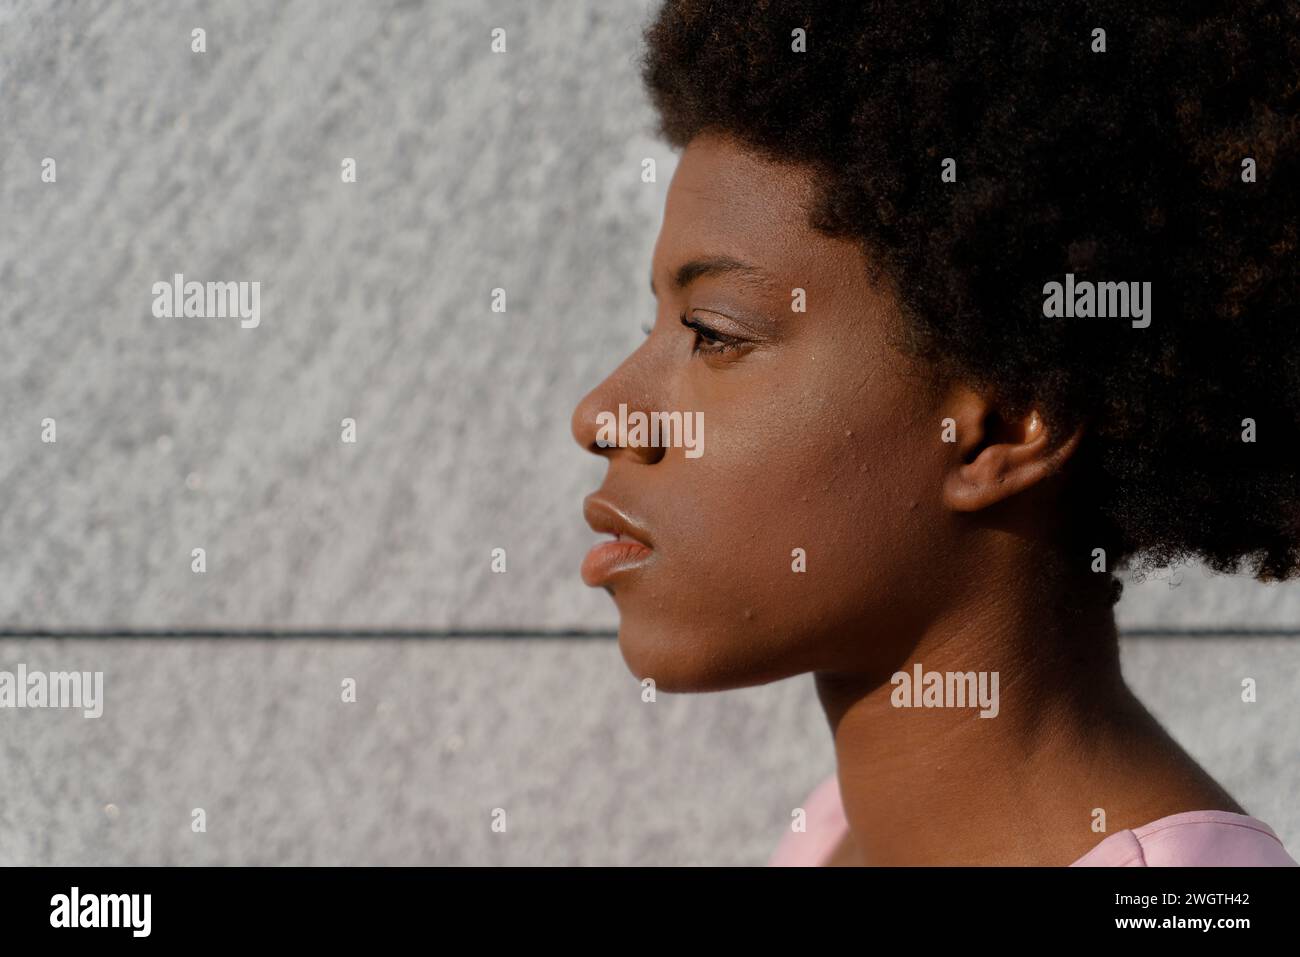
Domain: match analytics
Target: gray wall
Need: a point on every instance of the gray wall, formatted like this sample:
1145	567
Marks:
442	732
475	170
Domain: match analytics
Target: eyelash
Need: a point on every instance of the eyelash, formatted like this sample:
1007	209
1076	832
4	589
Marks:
718	342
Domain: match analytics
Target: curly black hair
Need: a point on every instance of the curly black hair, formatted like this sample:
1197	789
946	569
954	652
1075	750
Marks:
1116	157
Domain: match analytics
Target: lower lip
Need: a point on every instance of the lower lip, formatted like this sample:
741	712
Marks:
608	559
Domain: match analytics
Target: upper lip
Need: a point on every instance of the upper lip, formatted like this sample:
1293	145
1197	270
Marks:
606	517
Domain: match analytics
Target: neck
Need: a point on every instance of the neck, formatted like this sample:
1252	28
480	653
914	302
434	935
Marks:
942	785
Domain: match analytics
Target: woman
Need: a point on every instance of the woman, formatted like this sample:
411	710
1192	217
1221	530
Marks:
975	305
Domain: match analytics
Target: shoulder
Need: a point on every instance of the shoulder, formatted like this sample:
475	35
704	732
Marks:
1192	839
826	825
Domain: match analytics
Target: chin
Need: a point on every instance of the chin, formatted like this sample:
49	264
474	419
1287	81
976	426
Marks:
691	659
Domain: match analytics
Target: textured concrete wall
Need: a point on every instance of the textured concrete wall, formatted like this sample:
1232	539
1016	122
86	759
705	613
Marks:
555	732
474	171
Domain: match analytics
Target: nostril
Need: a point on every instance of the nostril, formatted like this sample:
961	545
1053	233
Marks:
585	424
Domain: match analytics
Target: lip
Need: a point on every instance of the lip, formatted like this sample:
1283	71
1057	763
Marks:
628	550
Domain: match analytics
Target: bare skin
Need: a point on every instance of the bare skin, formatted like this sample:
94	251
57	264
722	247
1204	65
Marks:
941	790
822	436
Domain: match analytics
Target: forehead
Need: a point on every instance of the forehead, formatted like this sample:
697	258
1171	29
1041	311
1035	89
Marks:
727	200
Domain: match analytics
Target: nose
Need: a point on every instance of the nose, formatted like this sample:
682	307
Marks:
597	416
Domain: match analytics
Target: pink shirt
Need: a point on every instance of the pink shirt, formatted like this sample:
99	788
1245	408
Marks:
1190	839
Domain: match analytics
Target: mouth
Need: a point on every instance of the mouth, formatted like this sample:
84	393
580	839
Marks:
626	549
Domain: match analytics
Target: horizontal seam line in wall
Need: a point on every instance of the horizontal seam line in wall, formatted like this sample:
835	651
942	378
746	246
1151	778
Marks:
542	634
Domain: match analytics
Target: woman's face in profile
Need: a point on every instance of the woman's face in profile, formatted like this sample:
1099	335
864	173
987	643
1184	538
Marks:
808	520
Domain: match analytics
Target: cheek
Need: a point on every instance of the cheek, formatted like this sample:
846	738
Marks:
830	505
800	520
840	466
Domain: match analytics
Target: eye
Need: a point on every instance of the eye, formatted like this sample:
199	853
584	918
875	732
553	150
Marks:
709	341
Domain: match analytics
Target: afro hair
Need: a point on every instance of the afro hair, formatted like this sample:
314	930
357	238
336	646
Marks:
1120	142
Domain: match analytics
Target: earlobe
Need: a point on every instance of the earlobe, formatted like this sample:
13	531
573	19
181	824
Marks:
1002	459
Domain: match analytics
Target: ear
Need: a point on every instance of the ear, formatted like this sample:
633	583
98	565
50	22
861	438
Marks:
996	457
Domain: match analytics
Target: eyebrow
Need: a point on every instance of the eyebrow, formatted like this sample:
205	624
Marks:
695	269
